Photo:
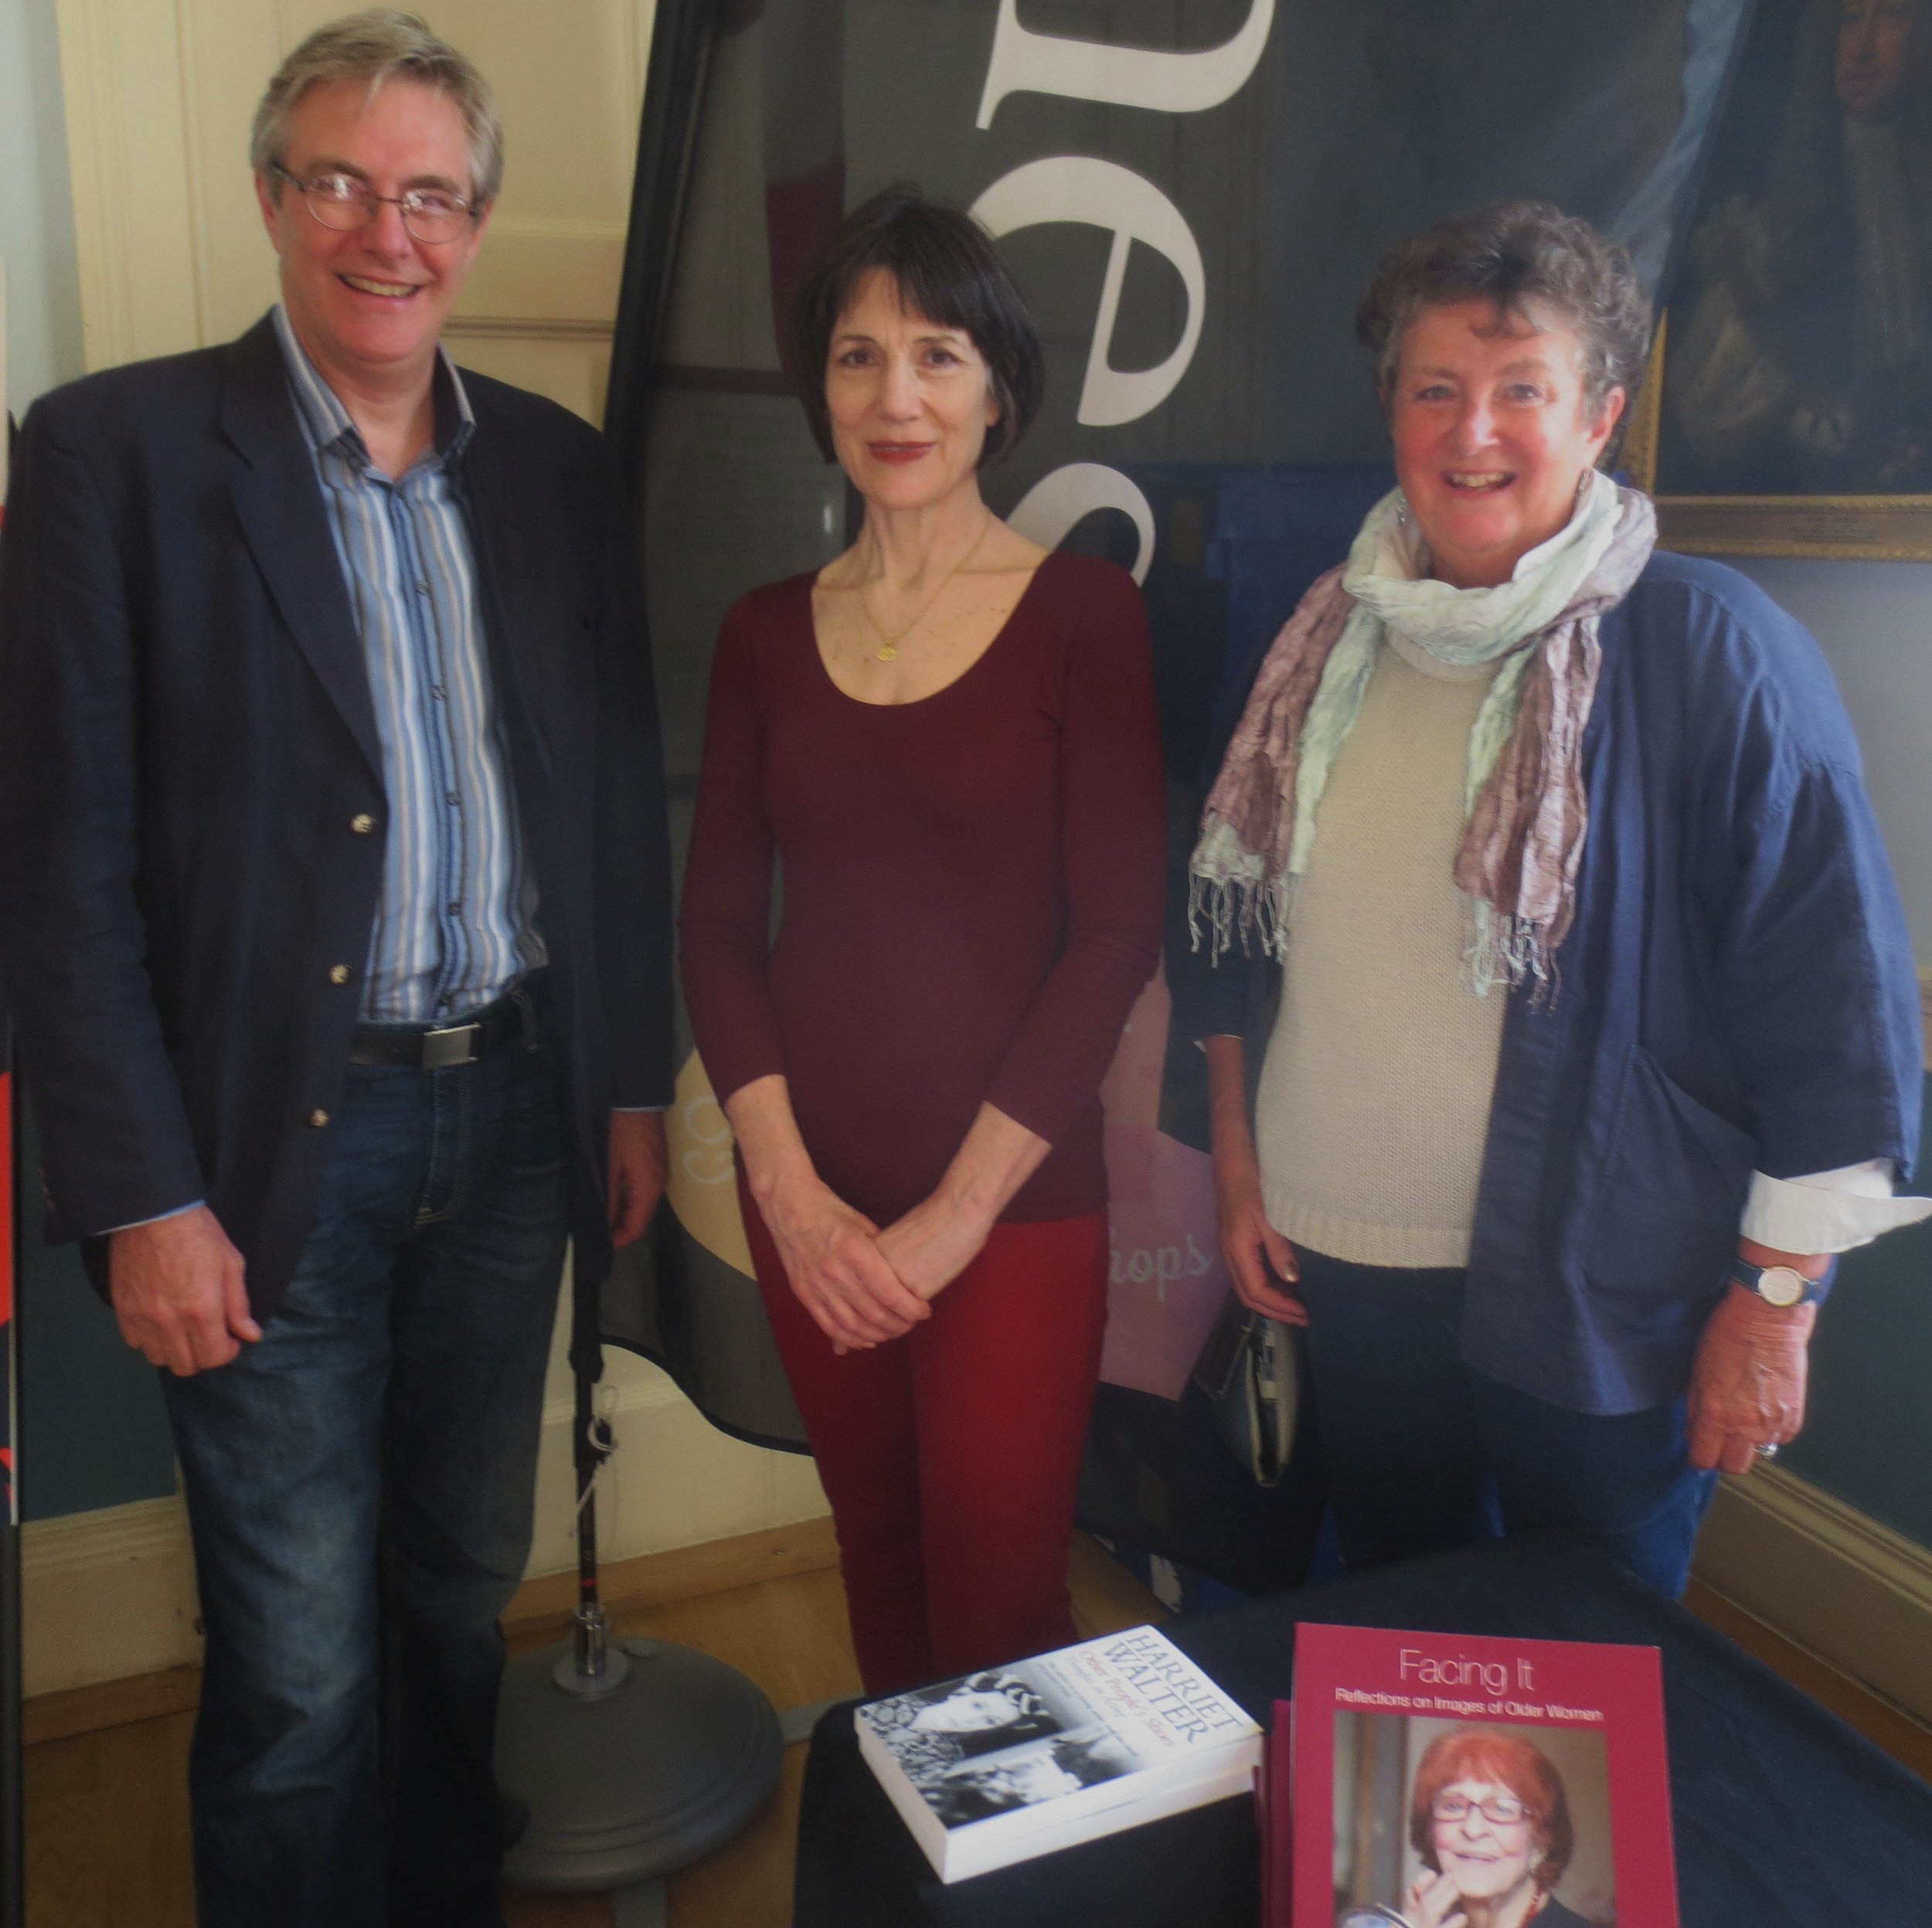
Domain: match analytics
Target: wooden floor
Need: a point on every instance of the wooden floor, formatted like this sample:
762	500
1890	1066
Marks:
107	1809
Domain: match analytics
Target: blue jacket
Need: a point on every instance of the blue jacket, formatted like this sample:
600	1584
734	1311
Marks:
1738	992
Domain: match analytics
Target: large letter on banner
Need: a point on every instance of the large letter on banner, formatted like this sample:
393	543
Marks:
1025	61
1047	513
1075	187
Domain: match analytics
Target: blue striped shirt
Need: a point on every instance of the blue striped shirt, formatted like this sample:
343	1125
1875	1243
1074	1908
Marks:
456	923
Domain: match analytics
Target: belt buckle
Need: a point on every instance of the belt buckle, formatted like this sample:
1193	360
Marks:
448	1045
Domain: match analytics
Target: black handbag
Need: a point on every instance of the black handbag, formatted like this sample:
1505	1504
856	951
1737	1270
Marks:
1249	1370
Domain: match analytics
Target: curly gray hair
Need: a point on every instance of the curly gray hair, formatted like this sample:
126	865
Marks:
383	44
1529	258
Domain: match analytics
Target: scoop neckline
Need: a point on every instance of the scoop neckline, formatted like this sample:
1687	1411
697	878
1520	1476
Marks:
811	582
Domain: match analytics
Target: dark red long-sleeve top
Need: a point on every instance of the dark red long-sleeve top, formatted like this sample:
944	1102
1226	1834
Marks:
972	887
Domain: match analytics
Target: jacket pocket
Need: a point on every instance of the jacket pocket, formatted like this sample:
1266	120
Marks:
1676	1175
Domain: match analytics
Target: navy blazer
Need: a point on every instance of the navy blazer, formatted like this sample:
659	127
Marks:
1738	993
192	809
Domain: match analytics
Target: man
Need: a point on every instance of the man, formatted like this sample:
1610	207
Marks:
335	888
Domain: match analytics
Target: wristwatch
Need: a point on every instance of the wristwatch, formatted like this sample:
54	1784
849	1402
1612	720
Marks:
1779	1285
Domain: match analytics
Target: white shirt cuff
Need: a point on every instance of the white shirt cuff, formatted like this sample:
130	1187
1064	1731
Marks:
1827	1211
155	1220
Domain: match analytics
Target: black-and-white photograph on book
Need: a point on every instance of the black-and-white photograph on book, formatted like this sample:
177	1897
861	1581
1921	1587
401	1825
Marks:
994	1767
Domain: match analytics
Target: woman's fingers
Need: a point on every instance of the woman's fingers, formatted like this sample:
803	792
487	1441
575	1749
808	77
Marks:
1273	1304
1281	1259
842	1323
1747	1384
872	1278
841	1295
1286	1269
1258	1259
1243	1261
1434	1901
838	1272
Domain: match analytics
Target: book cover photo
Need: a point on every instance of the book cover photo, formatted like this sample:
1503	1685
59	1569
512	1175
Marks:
1446	1781
994	1767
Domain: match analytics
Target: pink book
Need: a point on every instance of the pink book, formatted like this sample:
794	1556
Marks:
1274	1817
1521	1782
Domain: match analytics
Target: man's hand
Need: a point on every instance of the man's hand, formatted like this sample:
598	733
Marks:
640	1162
179	1292
1747	1382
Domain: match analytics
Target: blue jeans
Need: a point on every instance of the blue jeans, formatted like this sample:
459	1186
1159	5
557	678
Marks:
360	1485
1420	1454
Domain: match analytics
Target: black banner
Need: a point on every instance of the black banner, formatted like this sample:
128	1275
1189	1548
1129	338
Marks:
1193	196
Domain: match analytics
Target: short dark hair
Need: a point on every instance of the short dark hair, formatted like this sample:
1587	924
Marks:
946	269
1523	256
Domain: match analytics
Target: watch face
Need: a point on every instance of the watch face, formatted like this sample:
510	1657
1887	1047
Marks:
1782	1285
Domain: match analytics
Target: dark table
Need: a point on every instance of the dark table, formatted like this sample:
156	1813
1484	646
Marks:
1784	1818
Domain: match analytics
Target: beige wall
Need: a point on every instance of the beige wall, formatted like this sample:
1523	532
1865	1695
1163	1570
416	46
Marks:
158	95
159	99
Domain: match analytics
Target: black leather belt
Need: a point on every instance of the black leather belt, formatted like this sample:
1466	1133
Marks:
509	1021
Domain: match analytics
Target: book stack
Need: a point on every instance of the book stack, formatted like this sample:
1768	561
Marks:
1417	1781
993	1768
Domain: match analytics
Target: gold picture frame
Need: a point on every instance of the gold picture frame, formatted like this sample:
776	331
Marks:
1876	529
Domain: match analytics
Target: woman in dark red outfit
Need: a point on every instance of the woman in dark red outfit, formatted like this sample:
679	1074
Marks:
946	741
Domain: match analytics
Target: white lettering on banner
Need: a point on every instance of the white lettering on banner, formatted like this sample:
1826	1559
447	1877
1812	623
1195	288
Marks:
1077	187
1057	500
1166	1264
706	1123
1025	61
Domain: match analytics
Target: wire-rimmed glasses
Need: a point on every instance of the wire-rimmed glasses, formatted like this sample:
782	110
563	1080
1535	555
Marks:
346	201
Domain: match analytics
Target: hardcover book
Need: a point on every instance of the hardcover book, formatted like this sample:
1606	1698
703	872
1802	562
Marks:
996	1767
1441	1779
1274	1812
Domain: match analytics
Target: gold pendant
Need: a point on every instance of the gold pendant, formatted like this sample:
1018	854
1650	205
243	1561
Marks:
888	654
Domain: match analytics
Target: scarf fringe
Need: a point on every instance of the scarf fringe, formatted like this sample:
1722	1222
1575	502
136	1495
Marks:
1508	952
1505	953
1256	909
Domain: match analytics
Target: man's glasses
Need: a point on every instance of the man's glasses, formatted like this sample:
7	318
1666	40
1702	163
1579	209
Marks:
344	202
1500	1810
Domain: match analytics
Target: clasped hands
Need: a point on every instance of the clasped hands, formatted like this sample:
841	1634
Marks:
865	1286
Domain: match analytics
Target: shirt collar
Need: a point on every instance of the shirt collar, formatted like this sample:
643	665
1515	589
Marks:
325	423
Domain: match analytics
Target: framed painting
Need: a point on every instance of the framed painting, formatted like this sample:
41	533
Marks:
1789	407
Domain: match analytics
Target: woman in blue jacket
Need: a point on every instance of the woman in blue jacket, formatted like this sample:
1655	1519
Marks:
1562	1022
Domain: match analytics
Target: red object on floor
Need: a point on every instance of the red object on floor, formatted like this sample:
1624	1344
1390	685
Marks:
951	1457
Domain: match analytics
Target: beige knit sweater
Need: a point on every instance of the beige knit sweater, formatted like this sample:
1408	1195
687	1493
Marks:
1374	1103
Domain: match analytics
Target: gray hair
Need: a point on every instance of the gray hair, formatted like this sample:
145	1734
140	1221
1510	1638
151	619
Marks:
383	44
1532	260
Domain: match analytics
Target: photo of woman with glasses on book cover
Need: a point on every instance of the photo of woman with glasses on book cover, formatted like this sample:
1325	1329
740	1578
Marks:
1489	1828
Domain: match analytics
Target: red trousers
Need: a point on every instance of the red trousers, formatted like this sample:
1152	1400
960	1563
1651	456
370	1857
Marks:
951	1456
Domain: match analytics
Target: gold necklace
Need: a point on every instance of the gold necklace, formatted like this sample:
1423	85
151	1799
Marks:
888	645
